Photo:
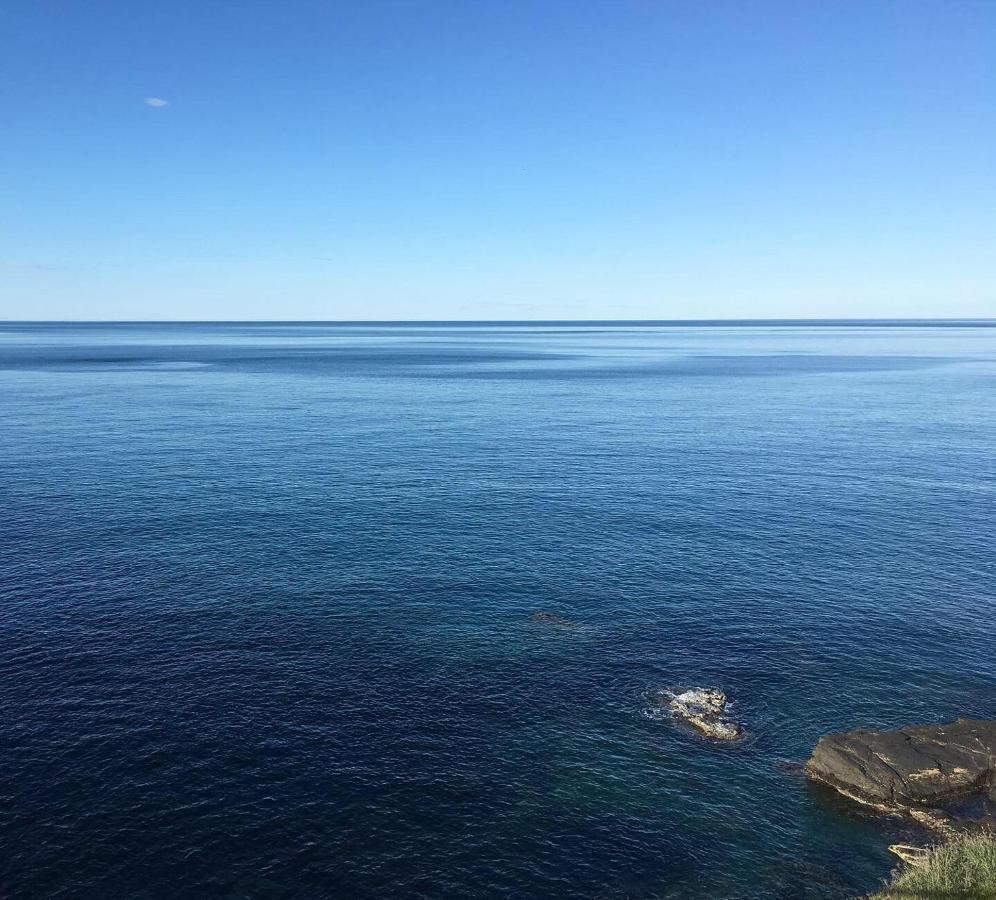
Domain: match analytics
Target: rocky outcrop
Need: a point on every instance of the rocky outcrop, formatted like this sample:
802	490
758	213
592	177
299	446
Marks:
705	709
910	770
912	856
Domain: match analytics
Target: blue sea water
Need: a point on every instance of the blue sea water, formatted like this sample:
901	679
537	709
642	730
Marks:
267	593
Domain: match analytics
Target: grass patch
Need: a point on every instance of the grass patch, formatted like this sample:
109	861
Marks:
965	869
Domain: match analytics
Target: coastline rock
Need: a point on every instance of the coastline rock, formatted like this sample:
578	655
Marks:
909	769
704	709
912	856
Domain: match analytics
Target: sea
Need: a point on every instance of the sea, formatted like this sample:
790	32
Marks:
268	596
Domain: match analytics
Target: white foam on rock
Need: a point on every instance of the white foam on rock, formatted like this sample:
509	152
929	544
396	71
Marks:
703	708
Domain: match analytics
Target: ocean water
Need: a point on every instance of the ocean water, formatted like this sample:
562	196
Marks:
267	594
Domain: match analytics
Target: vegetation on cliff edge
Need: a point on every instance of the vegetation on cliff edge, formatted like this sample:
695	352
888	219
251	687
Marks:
965	869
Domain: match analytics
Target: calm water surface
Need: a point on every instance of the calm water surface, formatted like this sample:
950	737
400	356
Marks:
266	594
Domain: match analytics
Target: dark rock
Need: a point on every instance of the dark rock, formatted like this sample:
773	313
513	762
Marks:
911	768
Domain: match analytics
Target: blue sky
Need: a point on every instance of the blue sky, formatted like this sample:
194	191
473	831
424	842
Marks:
497	159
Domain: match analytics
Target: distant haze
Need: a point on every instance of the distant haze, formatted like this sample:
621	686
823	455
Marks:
540	159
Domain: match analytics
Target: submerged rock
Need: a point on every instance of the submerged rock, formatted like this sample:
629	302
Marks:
910	769
790	767
549	618
703	708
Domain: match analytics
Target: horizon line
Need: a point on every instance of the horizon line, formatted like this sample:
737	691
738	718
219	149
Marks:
898	321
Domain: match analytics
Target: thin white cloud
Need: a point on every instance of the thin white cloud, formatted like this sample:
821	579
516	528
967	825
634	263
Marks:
30	265
156	102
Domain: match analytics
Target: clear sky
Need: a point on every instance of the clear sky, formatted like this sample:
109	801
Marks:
497	159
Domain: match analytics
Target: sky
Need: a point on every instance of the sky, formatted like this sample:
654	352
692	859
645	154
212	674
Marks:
497	159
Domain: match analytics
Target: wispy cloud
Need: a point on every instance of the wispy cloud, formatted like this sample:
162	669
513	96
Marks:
156	102
30	265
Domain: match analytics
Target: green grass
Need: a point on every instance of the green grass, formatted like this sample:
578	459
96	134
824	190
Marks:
965	869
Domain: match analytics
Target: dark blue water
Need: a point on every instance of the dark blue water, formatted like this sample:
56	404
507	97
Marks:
267	589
